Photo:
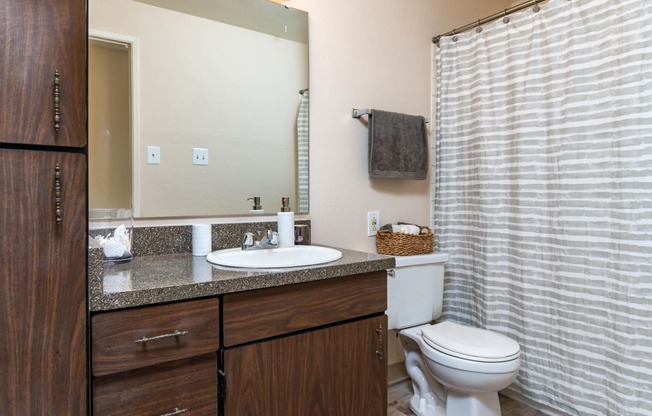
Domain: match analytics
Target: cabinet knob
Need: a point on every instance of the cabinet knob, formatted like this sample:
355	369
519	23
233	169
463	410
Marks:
57	116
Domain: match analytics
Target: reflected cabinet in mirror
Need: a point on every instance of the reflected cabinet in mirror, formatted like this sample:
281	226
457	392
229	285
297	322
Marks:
196	106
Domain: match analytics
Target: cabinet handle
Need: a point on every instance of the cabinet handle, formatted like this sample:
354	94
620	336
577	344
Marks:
175	411
176	333
57	117
381	344
57	194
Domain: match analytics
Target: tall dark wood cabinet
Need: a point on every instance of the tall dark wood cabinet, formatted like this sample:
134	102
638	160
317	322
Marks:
43	285
43	210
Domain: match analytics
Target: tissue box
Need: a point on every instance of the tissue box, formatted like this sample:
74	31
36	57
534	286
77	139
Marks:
112	230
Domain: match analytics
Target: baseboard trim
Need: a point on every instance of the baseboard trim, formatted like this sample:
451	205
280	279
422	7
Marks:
396	373
538	406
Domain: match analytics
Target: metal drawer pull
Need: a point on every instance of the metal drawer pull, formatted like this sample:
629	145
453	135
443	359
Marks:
175	411
57	118
57	194
176	333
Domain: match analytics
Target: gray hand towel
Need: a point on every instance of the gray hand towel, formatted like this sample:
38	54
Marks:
398	146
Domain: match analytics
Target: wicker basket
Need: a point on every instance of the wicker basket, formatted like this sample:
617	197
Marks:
399	244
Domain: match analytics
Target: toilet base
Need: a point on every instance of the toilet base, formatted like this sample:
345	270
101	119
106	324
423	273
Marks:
486	404
457	405
421	407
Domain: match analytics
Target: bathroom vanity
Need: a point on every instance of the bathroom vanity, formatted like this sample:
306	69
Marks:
296	341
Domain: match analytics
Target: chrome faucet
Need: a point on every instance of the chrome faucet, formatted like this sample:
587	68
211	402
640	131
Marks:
264	239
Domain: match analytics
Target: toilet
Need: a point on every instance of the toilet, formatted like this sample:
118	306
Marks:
456	370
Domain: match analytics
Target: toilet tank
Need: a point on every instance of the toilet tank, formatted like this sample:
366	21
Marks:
415	290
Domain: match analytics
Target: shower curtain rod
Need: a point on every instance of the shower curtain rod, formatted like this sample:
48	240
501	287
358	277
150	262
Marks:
491	18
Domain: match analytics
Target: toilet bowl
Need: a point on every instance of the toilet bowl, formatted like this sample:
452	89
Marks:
461	382
456	370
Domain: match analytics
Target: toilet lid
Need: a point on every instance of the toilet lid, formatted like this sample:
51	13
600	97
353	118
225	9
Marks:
470	343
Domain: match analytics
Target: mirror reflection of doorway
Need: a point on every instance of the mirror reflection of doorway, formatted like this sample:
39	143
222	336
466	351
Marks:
110	124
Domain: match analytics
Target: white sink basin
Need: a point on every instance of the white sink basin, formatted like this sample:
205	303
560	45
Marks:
273	258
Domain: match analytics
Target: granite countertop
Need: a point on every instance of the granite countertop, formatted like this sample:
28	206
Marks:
147	280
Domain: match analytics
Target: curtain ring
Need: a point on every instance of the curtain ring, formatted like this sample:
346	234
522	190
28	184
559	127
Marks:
479	28
454	35
536	7
505	19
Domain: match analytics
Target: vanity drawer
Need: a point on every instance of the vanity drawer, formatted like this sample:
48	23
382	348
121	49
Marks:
264	313
187	387
135	338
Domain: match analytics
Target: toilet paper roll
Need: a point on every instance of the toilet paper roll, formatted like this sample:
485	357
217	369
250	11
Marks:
201	239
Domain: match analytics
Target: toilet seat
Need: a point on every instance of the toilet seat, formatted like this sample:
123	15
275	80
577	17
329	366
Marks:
468	343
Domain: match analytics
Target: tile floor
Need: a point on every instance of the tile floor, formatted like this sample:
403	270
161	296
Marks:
398	399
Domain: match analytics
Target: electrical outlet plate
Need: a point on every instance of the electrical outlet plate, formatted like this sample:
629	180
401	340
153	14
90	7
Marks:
199	156
373	223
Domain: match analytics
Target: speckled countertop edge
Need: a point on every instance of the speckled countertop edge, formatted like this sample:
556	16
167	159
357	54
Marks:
156	279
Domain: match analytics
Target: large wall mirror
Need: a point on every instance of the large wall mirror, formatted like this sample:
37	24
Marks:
226	77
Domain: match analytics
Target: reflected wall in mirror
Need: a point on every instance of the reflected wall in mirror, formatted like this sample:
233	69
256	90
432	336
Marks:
198	77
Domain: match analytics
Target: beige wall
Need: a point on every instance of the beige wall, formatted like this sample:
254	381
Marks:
377	54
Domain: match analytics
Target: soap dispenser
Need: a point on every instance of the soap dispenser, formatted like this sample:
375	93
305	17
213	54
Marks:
285	220
257	208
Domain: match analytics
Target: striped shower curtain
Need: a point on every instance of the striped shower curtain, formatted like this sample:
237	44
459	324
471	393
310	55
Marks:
543	196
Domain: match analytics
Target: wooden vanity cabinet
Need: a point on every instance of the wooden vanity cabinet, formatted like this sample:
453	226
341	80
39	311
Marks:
307	349
314	348
156	360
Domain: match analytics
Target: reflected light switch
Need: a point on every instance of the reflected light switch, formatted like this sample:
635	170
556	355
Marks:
153	155
199	156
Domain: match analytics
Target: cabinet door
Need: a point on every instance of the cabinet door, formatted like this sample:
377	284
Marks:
40	37
42	284
340	370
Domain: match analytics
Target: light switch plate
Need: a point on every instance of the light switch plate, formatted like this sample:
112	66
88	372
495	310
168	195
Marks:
199	156
153	155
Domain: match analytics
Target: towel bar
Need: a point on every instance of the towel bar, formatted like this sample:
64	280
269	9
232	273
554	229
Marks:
359	112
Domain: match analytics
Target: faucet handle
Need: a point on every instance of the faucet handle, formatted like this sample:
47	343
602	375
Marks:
272	236
247	240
